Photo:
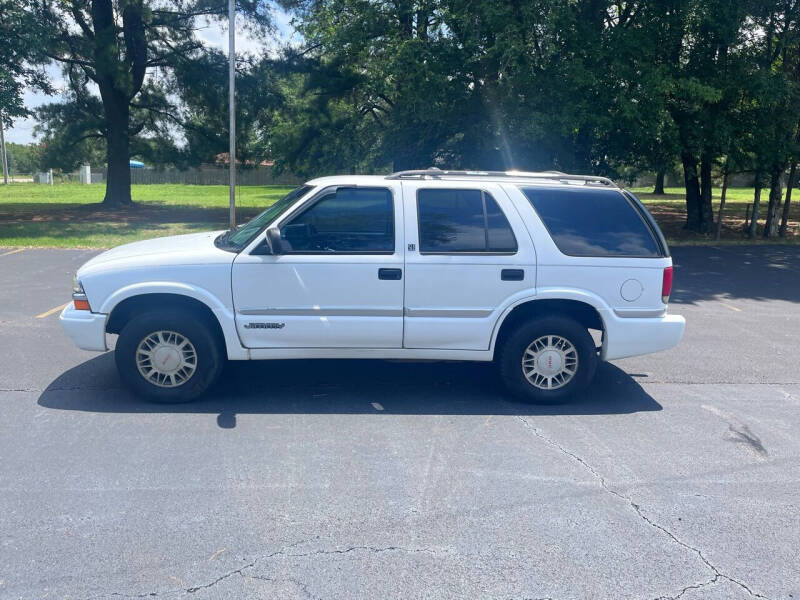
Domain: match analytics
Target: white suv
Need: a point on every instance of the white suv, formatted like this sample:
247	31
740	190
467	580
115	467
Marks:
512	267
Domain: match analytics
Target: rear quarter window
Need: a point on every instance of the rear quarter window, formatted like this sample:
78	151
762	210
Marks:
593	222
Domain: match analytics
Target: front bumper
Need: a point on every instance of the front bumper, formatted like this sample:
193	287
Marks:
86	329
626	336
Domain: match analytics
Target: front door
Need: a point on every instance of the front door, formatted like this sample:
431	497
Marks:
338	282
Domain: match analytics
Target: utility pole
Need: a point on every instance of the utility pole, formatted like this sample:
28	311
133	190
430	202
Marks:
232	107
5	156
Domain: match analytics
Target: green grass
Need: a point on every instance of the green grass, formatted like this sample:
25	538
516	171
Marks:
71	216
162	195
669	210
676	194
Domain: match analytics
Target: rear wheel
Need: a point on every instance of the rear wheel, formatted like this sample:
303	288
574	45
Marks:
168	356
548	360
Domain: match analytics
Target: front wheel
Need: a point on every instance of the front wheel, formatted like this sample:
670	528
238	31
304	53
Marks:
548	360
168	356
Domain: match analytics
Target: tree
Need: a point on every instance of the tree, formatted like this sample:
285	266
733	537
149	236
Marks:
379	84
203	113
414	83
72	131
776	96
698	43
114	45
20	53
24	158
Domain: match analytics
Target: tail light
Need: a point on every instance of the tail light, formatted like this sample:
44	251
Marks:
666	285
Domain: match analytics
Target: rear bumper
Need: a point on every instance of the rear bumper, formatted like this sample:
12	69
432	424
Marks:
87	330
632	337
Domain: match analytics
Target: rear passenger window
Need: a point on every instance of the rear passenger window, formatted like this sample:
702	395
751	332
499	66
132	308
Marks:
592	222
452	221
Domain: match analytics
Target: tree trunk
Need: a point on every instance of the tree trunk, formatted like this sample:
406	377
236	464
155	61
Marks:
118	185
422	21
706	210
659	187
775	193
753	230
405	18
785	215
119	73
692	192
722	197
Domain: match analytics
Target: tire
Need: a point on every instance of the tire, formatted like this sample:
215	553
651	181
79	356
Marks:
563	385
161	333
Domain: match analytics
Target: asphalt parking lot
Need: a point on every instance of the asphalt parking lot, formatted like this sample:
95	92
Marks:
678	475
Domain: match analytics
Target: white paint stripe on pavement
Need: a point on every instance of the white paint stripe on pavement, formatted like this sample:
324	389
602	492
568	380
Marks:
12	251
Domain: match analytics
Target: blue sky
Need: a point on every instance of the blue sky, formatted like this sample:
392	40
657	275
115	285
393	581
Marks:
213	34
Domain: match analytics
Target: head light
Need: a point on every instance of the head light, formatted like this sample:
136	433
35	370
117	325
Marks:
77	287
79	300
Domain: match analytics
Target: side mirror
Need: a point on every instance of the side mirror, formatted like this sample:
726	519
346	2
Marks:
274	241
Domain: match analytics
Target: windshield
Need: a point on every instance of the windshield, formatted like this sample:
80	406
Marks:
236	239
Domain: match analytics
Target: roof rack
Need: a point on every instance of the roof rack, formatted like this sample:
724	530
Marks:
435	173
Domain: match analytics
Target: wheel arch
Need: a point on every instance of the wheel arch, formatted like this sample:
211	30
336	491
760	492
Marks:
584	311
127	308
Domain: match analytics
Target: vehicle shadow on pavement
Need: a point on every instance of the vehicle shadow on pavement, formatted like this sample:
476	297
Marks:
344	387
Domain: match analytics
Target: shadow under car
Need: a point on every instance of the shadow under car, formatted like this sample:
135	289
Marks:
344	387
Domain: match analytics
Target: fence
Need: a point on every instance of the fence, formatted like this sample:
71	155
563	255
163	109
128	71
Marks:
203	176
212	176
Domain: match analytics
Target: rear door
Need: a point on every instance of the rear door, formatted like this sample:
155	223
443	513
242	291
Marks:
467	253
339	282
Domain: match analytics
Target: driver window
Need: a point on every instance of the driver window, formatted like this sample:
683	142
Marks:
348	221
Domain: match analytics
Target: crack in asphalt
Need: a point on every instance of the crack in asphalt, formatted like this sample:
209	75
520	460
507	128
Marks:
694	586
638	509
196	588
282	552
250	565
302	586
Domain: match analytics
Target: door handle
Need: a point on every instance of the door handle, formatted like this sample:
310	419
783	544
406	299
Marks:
390	274
512	274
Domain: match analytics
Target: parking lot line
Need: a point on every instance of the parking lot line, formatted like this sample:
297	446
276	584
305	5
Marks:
52	311
12	251
726	305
